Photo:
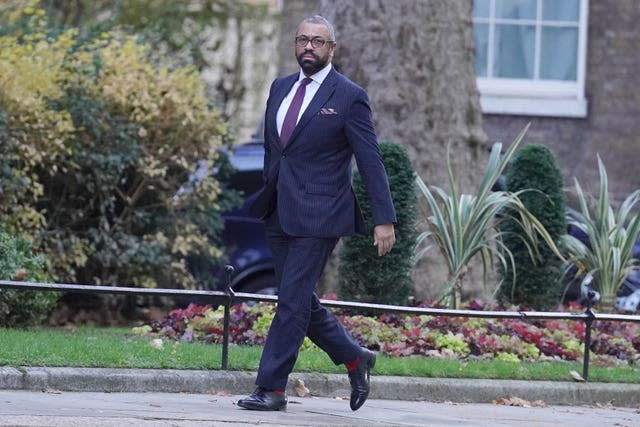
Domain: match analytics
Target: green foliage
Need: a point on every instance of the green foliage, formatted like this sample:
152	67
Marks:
101	135
372	333
535	281
612	235
183	30
463	225
14	185
421	335
116	348
17	262
452	342
364	276
508	357
178	27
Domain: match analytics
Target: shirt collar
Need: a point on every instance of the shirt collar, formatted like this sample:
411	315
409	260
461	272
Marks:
319	76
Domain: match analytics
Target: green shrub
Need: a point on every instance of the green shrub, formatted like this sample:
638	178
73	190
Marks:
612	233
463	226
364	276
17	262
99	135
535	283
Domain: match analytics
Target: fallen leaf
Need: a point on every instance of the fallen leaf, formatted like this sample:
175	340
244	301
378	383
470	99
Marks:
576	376
213	401
224	393
21	273
156	313
157	343
608	405
300	389
516	401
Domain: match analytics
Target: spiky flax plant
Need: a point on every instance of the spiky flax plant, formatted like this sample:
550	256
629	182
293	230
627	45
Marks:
465	225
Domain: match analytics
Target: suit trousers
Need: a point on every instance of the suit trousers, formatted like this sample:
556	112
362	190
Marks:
299	262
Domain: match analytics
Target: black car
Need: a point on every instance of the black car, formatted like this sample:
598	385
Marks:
243	235
577	285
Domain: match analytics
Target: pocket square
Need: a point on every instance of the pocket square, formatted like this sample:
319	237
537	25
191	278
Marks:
327	111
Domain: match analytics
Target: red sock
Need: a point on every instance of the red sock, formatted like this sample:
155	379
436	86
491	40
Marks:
278	391
353	364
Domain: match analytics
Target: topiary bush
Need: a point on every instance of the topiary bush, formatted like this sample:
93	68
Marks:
99	135
18	262
534	283
363	275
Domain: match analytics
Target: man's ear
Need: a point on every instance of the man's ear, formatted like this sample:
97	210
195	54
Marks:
333	51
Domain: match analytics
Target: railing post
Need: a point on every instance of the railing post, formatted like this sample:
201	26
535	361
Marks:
227	309
591	297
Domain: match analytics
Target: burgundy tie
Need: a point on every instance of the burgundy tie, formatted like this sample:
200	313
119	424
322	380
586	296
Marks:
291	118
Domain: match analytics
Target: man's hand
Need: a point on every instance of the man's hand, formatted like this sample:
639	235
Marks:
384	238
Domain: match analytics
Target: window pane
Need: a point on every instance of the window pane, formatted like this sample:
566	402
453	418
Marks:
514	48
516	9
480	8
481	36
561	10
558	56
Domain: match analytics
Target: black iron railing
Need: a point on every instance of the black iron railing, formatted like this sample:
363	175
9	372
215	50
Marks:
228	297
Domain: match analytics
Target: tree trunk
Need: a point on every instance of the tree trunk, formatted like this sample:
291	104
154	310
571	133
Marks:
293	11
415	58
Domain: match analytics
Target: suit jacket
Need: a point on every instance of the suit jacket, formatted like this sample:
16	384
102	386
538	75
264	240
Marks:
309	180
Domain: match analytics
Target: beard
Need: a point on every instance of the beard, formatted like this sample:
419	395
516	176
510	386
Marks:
310	67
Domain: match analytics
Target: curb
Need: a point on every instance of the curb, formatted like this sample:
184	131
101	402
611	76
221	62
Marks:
323	385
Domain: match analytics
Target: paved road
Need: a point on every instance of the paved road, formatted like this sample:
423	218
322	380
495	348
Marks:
70	397
325	385
70	409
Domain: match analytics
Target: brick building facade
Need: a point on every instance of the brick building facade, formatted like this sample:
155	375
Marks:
611	127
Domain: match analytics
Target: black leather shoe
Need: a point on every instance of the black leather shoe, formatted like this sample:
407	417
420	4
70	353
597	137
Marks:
360	379
264	400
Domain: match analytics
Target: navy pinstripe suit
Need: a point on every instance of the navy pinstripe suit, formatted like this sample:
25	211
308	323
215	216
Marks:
308	204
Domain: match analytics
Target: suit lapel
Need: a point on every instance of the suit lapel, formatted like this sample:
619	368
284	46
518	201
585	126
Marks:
324	92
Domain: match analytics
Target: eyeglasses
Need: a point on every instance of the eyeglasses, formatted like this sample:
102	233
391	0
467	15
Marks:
316	42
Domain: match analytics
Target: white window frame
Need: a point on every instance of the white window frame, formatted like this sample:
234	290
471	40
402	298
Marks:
538	97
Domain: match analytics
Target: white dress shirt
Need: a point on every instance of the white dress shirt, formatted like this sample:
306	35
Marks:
310	92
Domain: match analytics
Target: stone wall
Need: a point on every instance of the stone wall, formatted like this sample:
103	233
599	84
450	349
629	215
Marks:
612	126
243	65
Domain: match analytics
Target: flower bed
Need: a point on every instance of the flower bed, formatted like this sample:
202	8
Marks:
433	336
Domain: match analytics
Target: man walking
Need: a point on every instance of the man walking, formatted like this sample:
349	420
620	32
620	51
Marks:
316	120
